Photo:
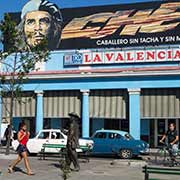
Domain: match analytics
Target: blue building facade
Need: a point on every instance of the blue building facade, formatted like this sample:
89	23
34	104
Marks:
158	86
138	95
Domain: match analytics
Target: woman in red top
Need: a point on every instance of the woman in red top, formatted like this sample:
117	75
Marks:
23	137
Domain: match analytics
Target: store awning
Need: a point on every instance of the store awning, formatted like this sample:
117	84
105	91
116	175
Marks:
160	103
60	103
108	104
23	108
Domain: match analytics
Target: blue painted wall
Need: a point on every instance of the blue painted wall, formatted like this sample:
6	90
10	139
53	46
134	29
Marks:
16	122
104	83
145	127
55	123
97	124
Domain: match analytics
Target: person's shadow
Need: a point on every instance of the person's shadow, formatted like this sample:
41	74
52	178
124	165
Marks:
17	169
56	165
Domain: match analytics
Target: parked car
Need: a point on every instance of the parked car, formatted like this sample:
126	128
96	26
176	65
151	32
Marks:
52	136
121	143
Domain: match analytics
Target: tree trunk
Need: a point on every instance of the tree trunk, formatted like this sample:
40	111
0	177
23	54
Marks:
10	123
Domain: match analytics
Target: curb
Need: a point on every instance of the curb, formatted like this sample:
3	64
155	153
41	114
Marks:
132	163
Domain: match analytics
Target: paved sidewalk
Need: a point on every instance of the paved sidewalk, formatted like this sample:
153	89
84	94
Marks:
96	169
49	169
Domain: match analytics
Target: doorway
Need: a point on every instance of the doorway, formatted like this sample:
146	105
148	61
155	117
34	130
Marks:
161	126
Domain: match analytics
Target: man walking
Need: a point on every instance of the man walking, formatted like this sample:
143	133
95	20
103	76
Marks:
73	142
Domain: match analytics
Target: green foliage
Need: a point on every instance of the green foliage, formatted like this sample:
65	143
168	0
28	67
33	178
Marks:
9	32
16	62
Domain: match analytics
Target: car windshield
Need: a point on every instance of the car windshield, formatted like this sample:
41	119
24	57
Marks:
128	136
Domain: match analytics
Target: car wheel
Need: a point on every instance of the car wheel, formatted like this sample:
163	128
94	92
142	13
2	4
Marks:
125	153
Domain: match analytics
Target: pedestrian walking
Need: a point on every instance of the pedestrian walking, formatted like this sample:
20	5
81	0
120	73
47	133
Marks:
23	137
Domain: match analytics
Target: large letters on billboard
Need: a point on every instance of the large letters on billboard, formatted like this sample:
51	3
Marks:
112	26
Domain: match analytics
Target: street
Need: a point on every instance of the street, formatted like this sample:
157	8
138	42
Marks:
96	169
50	169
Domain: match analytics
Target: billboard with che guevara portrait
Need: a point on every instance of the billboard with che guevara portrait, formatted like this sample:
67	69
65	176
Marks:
110	26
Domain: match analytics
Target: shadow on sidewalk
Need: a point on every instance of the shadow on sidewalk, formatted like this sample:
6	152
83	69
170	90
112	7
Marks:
56	165
17	169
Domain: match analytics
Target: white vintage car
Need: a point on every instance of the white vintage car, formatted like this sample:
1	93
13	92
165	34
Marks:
52	136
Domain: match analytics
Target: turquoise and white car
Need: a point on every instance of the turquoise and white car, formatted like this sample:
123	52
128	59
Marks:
53	136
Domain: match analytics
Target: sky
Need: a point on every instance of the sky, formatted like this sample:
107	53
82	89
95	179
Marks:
16	5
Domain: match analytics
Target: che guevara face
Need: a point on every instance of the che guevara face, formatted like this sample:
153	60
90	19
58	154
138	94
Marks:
37	26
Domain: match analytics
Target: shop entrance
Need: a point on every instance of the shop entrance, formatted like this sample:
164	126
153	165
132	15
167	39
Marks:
108	109
152	130
161	126
159	107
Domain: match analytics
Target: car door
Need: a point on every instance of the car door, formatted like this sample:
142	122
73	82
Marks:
115	142
56	137
100	143
35	145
